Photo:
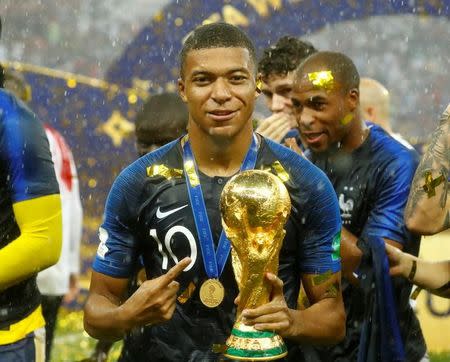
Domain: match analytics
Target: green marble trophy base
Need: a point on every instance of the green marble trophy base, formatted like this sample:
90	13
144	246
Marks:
248	344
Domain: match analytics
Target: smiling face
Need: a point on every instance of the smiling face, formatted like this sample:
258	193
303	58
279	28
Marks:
218	86
277	92
324	113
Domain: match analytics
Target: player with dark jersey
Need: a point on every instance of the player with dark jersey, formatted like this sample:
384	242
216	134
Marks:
371	174
149	214
156	207
30	225
371	186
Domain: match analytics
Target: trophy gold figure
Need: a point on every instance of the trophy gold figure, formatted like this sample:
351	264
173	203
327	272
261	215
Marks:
255	206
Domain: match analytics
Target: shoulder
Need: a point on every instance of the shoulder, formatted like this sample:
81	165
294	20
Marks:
386	149
301	171
10	106
6	98
133	178
394	162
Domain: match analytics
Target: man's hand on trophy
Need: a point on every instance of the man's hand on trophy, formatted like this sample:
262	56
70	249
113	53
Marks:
155	300
274	316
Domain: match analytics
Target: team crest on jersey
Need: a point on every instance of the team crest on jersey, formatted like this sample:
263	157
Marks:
102	248
346	204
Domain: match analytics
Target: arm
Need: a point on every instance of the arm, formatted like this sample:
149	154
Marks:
35	200
107	316
39	221
322	323
351	255
431	275
427	211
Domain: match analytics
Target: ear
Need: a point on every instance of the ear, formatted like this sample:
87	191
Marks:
353	98
182	90
370	111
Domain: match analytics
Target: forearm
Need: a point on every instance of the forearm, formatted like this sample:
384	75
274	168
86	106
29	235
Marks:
322	323
427	210
350	253
104	319
39	244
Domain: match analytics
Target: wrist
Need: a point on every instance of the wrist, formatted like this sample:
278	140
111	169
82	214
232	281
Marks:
124	319
412	271
292	331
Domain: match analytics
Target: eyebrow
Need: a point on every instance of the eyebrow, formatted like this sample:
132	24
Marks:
283	87
231	71
312	99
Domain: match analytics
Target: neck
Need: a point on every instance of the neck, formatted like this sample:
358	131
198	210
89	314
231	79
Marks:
219	155
355	136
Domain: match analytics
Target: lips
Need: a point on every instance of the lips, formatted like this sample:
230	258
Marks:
313	137
221	115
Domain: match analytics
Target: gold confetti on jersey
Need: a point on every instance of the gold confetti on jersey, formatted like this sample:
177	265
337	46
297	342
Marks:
164	171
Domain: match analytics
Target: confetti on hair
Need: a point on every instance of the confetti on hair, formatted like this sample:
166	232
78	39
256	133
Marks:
323	79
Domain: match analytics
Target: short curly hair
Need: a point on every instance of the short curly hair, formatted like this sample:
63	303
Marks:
285	56
216	35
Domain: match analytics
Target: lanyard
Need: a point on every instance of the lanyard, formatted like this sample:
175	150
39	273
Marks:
214	262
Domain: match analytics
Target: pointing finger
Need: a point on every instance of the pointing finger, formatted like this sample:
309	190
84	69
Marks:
176	270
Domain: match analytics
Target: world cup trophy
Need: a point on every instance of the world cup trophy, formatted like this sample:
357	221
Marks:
255	206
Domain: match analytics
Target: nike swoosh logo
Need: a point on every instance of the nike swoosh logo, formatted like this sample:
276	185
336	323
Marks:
162	214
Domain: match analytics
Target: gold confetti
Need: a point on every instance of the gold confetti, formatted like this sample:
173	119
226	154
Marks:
192	174
280	171
347	119
187	293
164	171
323	79
259	84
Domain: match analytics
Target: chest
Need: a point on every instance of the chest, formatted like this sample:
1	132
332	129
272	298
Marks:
354	181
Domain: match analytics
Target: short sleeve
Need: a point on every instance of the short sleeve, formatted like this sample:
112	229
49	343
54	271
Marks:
320	251
117	251
386	217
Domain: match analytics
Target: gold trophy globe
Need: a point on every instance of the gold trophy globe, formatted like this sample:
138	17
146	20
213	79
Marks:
255	206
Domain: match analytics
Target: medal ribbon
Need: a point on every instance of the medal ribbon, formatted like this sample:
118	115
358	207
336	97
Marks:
214	262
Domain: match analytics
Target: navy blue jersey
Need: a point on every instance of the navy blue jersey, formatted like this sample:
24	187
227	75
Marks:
372	185
26	172
149	215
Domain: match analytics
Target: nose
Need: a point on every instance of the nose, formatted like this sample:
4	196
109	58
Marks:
220	91
278	103
304	118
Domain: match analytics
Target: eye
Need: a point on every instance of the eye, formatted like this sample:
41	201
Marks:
285	92
201	80
238	78
318	106
267	94
296	104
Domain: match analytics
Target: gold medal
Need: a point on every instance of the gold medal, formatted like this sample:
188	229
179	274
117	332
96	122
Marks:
212	293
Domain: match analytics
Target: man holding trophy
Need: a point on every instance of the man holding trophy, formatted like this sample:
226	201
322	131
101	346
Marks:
165	208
